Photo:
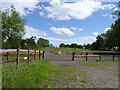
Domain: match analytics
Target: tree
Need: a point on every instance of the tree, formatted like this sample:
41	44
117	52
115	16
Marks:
99	43
113	37
88	46
12	28
51	45
74	45
28	43
62	45
42	42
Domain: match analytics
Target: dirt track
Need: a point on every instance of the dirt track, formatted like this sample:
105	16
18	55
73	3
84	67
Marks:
87	77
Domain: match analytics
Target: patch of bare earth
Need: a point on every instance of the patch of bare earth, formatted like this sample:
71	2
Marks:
86	77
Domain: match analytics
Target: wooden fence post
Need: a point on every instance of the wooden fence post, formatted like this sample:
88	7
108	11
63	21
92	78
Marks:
39	54
43	55
28	56
18	58
113	57
7	56
86	56
34	54
118	57
100	57
73	54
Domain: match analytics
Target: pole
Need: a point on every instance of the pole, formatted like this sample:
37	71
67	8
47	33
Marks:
18	58
86	56
39	54
43	55
73	56
100	57
7	56
34	54
28	56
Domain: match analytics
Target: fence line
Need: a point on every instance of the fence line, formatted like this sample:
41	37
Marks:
42	54
19	53
94	54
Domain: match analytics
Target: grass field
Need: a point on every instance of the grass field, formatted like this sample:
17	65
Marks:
62	49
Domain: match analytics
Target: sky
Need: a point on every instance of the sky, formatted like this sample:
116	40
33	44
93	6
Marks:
63	21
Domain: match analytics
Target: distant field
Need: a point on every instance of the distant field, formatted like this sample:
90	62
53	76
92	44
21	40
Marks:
63	49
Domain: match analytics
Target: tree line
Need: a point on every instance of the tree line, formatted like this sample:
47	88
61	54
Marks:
74	45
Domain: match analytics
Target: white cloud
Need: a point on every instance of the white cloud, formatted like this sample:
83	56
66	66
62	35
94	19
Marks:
55	39
85	39
79	10
105	15
30	31
108	6
74	28
62	31
41	13
79	40
110	16
21	5
80	29
116	9
95	33
107	29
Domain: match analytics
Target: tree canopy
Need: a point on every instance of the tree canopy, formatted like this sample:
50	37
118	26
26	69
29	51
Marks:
12	28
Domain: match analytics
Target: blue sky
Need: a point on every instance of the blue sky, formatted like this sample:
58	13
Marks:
60	22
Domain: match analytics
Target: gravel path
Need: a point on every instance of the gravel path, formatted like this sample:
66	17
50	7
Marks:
87	77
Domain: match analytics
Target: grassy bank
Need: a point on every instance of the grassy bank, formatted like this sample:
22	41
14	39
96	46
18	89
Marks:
39	74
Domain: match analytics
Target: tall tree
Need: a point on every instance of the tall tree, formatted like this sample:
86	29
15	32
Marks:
99	43
12	27
28	43
62	45
42	42
113	37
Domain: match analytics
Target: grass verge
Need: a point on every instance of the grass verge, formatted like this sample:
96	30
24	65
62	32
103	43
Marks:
97	63
38	74
41	74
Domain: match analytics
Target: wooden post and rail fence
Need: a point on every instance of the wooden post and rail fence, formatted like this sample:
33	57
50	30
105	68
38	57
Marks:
41	54
94	54
17	52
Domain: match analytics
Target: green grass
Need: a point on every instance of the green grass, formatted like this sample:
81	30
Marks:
39	74
97	63
62	49
10	57
35	75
